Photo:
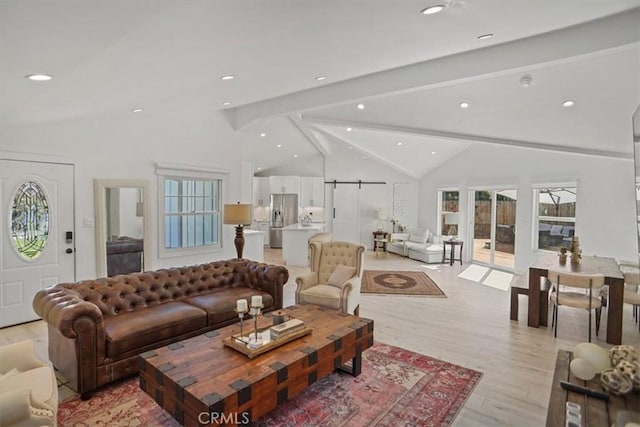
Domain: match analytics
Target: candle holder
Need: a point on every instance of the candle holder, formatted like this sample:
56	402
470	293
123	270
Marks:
241	316
255	311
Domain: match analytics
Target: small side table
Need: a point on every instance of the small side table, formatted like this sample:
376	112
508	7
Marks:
380	242
451	258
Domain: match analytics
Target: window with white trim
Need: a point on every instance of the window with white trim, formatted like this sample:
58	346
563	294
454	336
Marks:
555	216
190	201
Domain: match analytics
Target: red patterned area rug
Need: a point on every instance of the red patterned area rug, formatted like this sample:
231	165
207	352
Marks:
399	283
396	387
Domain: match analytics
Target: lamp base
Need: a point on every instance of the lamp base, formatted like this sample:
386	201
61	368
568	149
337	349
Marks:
239	240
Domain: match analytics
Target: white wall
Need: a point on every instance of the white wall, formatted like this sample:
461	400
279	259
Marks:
605	210
348	165
128	146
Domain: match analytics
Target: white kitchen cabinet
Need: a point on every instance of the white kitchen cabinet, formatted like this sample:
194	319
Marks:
285	184
261	191
312	191
263	226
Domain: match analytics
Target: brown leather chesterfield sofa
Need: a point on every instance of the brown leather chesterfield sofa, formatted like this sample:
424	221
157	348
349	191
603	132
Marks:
98	327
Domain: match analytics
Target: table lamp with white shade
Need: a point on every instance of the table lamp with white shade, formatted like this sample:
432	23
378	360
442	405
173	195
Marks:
238	215
452	219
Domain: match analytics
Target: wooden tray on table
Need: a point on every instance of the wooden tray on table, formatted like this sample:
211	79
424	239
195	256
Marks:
240	344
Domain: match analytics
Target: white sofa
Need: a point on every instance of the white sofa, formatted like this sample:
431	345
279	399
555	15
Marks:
418	244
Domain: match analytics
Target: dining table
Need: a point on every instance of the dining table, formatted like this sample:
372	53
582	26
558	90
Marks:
549	261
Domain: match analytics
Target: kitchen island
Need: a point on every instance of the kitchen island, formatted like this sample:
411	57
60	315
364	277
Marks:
294	242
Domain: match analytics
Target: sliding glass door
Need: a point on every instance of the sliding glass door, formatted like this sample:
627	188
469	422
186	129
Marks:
493	231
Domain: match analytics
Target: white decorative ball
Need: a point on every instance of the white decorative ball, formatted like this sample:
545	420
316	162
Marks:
582	369
597	356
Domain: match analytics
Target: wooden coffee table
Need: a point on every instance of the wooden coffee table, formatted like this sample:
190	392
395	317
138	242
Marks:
200	381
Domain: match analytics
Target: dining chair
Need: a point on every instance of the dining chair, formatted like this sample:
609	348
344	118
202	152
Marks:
631	295
576	290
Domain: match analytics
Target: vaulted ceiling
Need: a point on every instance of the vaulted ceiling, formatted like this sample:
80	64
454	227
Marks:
410	71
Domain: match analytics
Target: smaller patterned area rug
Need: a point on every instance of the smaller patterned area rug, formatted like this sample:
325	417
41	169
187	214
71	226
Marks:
396	387
399	283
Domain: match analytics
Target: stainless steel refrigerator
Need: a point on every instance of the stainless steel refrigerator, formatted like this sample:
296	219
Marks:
284	211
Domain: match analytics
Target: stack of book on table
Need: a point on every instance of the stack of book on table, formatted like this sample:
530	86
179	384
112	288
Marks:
286	328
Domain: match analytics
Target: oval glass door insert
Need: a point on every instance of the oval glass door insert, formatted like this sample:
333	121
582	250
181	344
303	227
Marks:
29	220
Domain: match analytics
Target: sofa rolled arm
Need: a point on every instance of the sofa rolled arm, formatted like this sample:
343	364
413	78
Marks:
266	277
61	306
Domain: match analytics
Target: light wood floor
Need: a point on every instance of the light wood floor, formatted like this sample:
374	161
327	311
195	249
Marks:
470	327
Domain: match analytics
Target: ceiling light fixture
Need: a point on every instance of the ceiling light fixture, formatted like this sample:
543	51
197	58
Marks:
136	110
399	144
464	105
320	78
432	9
263	134
433	152
364	157
349	129
226	103
485	36
568	103
360	106
350	148
39	77
279	145
295	155
526	81
228	77
258	168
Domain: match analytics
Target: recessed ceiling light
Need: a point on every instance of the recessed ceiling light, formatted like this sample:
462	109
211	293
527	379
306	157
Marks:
432	9
350	148
349	129
526	81
320	78
295	155
258	168
228	77
360	106
39	77
433	152
464	105
136	110
568	103
399	144
485	36
226	103
263	134
364	157
279	145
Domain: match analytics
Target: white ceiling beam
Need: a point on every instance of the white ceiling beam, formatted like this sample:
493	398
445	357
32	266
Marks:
368	153
560	45
318	122
302	127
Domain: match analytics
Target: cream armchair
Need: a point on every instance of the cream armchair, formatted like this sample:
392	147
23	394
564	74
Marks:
28	387
336	274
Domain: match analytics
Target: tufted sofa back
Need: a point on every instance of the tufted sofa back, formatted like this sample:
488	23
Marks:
329	254
123	293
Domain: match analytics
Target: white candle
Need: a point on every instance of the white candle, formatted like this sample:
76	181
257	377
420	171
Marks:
256	301
241	305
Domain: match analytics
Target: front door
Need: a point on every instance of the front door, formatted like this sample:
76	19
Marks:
37	234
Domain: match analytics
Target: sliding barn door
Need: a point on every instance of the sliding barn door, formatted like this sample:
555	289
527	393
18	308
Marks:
346	213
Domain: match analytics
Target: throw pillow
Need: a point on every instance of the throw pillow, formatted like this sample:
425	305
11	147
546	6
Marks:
419	236
340	275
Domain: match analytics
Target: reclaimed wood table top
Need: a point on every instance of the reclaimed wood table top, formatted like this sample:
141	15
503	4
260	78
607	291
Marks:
201	375
595	412
588	265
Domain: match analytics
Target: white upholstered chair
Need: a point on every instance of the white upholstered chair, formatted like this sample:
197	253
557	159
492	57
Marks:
576	290
632	292
28	387
336	274
318	238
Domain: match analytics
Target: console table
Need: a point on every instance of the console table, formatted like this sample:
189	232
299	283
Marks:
594	412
